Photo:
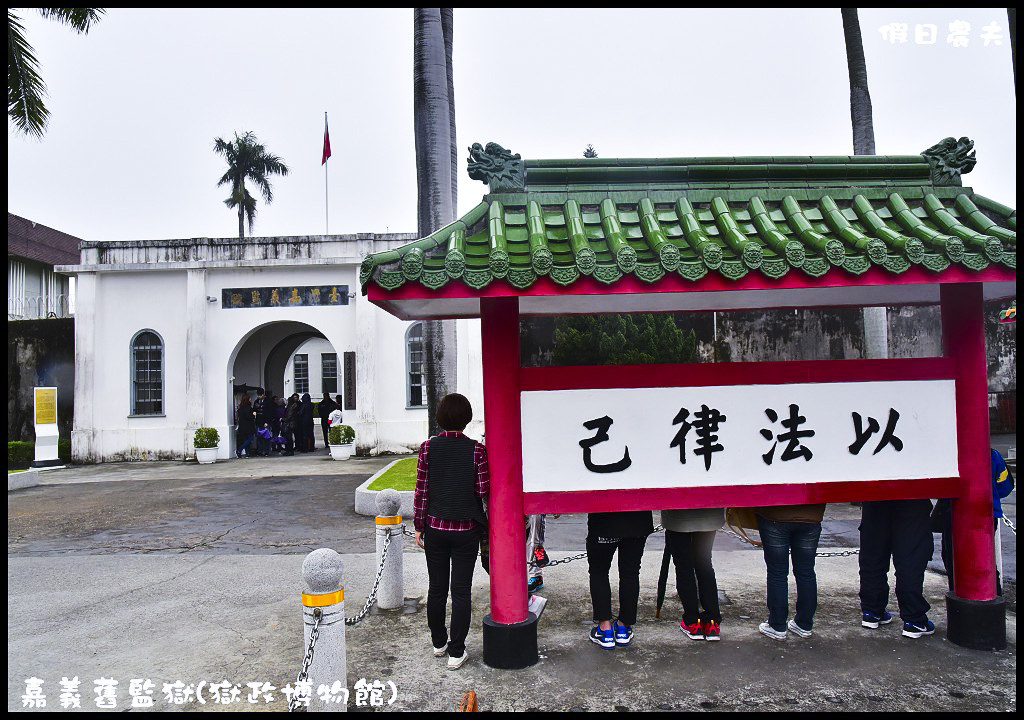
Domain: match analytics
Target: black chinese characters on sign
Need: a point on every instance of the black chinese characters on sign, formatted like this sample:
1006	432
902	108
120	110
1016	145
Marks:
706	423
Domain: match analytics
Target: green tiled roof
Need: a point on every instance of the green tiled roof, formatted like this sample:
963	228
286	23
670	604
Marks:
648	218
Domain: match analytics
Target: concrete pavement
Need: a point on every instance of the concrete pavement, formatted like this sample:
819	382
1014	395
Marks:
174	571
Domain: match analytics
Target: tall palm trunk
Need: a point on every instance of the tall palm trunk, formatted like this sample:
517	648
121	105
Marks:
876	332
433	108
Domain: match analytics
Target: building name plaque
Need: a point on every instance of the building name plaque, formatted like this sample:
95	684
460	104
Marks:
286	296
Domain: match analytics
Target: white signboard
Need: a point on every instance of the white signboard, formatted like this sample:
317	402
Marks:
738	435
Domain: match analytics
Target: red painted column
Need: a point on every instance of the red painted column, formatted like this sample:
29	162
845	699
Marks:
499	328
963	339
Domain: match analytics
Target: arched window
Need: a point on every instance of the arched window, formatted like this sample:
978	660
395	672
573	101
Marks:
415	395
147	368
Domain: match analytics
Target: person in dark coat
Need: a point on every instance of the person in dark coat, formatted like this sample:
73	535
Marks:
246	426
327	406
290	424
260	407
627	533
304	438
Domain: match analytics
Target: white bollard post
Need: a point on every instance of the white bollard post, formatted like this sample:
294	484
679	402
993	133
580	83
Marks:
322	573
391	592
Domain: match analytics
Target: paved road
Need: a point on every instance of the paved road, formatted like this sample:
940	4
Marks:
172	571
241	507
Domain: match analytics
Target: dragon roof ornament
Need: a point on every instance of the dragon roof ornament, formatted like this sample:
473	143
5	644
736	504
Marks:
949	159
497	167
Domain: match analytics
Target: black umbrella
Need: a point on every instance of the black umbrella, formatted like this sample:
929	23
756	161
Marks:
666	559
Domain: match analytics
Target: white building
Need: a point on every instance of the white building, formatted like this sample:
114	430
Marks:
166	330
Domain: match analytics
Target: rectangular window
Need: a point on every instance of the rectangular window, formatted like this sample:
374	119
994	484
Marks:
414	358
147	385
329	373
301	371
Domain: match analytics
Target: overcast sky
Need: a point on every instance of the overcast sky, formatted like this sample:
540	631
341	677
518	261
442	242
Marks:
136	104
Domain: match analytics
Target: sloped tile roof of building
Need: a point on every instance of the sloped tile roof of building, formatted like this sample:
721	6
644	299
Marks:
609	219
30	240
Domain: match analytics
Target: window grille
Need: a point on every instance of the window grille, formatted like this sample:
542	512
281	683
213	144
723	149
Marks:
147	374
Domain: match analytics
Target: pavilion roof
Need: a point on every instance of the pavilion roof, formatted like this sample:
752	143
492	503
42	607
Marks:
675	224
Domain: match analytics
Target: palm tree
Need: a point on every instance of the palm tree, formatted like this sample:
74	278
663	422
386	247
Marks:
436	175
25	88
876	338
247	160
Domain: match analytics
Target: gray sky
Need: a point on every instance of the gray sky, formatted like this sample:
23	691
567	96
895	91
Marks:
137	102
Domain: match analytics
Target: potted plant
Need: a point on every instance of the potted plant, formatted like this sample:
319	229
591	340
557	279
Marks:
340	440
207	443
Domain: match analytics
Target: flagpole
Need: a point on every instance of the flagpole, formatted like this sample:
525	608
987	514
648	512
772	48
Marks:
326	207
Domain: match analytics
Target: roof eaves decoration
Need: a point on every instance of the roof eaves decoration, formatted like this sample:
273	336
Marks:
607	219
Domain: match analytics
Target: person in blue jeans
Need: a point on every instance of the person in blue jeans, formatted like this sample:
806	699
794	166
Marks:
790	530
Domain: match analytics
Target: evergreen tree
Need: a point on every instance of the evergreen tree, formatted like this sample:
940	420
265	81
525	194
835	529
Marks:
622	340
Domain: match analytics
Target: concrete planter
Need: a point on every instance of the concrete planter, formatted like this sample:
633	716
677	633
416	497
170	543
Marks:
366	499
342	452
207	456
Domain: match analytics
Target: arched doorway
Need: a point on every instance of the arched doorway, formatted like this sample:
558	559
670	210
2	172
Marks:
284	357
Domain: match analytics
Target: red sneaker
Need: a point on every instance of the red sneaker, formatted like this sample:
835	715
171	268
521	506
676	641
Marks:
694	631
540	558
711	630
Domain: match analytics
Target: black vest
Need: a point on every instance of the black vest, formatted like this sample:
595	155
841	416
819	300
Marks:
452	480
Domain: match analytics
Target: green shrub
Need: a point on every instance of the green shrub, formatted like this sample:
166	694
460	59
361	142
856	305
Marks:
206	437
64	449
341	435
20	454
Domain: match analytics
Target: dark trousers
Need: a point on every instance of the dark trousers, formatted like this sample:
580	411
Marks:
451	558
695	575
901	530
325	426
244	441
599	555
779	541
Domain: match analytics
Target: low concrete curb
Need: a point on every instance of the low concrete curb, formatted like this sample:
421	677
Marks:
366	499
17	481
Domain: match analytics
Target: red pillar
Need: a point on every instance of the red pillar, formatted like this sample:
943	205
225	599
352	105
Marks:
963	339
499	328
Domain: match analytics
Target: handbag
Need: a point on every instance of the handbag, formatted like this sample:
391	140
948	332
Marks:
739	520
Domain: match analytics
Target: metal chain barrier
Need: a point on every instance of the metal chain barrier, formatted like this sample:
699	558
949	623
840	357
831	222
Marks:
839	553
293	703
1007	523
376	582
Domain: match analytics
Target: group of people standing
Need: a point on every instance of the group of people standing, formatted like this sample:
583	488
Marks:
453	483
273	424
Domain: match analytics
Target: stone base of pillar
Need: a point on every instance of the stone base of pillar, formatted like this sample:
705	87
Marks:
510	647
976	624
46	463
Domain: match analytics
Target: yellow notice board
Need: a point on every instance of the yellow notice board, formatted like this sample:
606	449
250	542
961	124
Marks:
46	406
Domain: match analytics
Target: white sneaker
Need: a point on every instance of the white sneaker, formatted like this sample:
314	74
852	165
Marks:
771	632
454	663
799	630
439	652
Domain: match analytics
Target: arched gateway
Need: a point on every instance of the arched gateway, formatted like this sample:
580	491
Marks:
555	237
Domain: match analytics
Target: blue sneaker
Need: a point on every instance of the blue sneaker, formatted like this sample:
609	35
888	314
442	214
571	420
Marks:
623	634
536	583
604	638
917	629
873	620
